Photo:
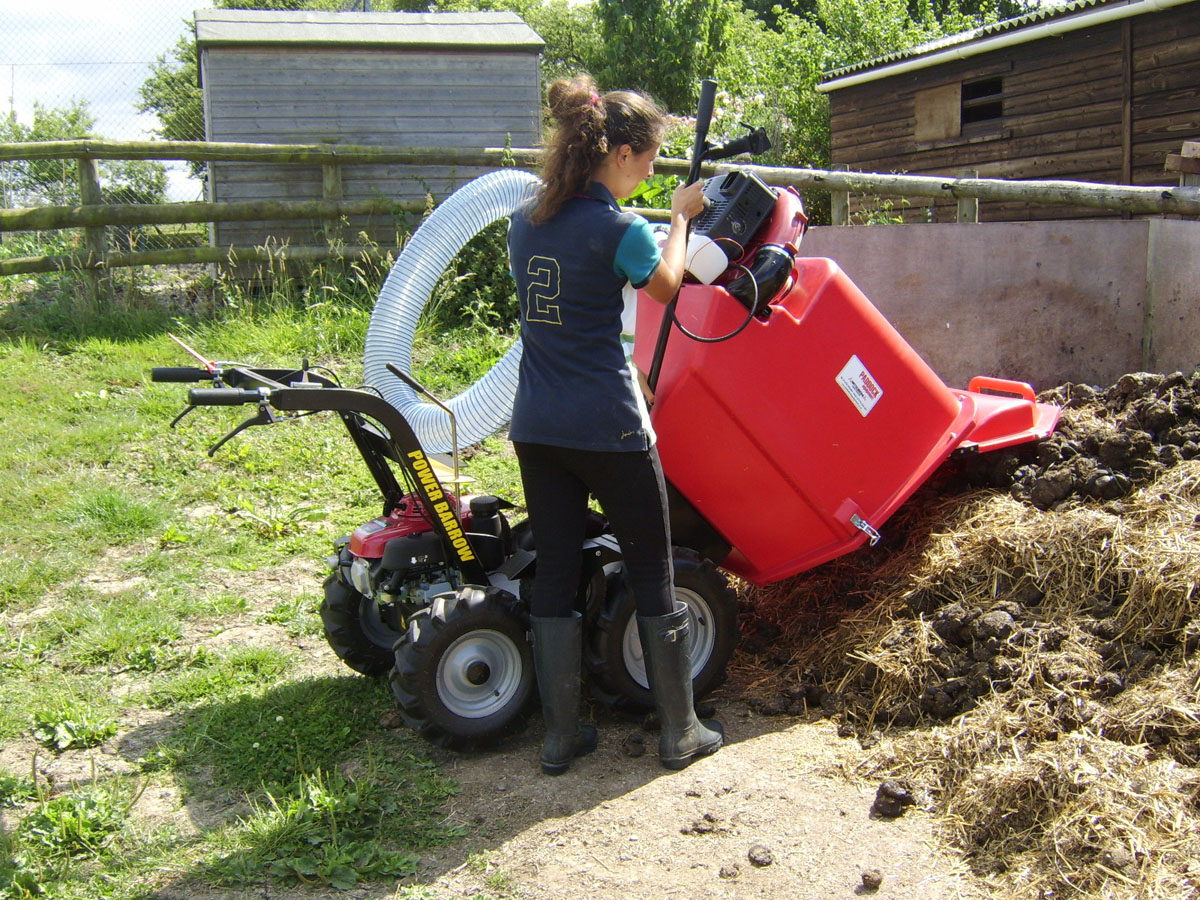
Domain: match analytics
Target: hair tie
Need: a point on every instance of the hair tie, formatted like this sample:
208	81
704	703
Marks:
594	99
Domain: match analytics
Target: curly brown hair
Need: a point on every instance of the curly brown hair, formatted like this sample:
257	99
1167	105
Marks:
588	125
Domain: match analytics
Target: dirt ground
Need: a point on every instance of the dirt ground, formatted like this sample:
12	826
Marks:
772	814
776	813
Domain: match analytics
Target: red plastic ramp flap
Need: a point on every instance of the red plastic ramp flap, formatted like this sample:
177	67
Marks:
1006	413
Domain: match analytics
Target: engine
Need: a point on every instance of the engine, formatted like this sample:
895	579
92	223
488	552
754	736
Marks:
399	560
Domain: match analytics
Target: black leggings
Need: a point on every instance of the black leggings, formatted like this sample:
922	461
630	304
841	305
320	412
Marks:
633	495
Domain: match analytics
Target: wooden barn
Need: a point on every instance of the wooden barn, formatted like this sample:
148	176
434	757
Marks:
1091	90
460	80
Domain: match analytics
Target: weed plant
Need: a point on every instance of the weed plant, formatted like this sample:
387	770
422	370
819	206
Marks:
127	549
478	289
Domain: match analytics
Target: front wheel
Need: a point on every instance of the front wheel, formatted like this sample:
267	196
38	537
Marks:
464	670
616	659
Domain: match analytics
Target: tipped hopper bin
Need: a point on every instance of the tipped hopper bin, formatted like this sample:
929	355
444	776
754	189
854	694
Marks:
798	439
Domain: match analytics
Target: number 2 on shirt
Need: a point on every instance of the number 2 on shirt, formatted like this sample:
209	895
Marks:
545	286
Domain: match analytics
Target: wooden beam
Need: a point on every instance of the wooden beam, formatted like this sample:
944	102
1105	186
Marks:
1189	165
1126	102
48	218
968	207
218	151
839	207
86	263
331	181
1134	198
1186	163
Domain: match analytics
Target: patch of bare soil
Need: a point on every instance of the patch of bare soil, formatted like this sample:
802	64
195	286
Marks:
769	815
773	814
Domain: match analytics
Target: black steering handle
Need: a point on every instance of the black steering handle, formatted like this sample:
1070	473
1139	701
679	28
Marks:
180	374
704	112
223	396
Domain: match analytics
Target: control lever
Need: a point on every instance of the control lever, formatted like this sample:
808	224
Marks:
179	418
264	416
704	114
416	386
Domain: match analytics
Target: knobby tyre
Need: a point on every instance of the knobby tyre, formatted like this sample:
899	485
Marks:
615	657
356	629
463	673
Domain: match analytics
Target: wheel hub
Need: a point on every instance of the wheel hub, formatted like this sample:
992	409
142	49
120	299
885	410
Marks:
479	674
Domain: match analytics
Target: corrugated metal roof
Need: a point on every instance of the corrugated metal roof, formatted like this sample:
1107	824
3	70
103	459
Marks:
477	30
1058	11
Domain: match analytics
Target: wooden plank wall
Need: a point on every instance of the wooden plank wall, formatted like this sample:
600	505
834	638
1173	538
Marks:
1166	90
1104	104
374	97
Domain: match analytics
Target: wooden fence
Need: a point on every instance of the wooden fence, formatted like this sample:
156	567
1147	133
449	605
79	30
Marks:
93	214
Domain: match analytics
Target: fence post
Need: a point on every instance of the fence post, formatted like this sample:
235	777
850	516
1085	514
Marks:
839	203
968	207
331	181
93	236
331	189
1189	164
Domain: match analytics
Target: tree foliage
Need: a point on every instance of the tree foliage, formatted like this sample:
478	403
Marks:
35	182
571	32
767	55
663	47
172	92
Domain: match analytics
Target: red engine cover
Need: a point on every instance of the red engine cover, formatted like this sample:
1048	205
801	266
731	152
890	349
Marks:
409	517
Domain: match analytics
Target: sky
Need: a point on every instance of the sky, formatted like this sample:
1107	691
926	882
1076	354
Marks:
94	50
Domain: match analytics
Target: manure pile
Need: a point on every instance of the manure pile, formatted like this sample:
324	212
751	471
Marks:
1033	615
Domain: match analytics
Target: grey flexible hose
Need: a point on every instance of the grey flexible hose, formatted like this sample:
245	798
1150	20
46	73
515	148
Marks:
484	407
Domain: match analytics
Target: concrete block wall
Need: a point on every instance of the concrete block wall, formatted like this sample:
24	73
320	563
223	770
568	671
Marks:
1042	302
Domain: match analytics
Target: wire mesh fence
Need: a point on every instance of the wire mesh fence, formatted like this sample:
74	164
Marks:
82	69
117	70
120	70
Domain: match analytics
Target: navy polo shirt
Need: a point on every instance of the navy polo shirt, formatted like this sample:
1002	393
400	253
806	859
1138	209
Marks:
576	387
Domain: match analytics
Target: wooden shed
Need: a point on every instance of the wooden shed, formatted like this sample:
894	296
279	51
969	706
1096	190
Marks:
1091	90
461	80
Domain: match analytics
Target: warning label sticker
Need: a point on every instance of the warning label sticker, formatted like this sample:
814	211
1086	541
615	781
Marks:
859	385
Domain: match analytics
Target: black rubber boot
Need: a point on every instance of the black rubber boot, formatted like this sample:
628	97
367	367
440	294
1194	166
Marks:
669	669
557	655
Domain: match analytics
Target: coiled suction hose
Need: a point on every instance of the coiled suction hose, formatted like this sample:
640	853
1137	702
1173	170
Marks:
485	406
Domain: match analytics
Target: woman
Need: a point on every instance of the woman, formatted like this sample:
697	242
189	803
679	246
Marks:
579	421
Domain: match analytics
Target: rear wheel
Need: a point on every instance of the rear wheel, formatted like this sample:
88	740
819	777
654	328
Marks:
464	672
358	631
616	659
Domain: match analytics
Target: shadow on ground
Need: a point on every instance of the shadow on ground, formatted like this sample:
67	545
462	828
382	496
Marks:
766	816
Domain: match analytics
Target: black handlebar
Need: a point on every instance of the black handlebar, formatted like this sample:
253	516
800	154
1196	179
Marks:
222	396
704	112
754	143
180	374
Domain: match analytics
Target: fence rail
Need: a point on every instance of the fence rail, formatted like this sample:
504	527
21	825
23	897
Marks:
93	215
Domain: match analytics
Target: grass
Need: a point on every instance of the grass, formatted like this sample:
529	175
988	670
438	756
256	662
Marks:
127	551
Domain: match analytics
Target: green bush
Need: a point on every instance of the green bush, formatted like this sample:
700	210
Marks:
477	289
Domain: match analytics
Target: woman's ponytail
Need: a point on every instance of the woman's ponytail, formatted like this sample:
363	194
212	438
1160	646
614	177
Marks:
588	125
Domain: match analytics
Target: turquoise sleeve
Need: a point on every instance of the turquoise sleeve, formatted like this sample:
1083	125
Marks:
638	253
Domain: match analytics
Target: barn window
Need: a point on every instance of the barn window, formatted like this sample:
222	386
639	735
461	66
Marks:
982	101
